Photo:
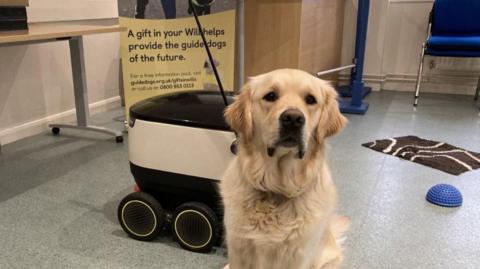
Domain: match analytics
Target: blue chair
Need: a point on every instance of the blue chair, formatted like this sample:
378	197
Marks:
453	31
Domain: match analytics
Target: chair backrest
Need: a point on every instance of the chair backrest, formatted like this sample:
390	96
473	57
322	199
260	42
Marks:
456	17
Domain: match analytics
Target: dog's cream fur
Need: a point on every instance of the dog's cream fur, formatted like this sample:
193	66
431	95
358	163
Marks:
280	210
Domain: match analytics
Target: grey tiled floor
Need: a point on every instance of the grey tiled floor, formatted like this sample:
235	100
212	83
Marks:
58	196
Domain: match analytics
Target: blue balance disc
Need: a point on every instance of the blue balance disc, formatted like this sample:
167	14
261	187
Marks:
445	195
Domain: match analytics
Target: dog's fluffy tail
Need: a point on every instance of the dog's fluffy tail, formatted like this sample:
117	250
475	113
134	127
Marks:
339	226
332	256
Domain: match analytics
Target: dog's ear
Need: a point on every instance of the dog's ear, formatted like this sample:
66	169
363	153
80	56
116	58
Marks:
239	114
331	121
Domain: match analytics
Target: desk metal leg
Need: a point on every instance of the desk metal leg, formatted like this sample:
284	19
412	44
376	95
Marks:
81	93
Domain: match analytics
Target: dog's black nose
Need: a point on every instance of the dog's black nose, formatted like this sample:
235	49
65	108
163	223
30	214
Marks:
292	119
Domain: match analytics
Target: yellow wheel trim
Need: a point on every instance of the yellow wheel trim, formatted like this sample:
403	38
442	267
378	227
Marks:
151	210
203	216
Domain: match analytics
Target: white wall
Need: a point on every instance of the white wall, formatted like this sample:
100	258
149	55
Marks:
397	29
36	81
61	10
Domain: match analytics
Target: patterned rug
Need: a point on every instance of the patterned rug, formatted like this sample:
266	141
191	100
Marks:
438	155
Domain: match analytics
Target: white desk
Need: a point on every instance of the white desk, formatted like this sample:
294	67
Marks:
73	32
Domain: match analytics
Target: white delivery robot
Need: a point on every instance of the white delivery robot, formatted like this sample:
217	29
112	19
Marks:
179	147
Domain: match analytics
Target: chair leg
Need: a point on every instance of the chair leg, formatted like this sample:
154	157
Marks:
419	77
478	90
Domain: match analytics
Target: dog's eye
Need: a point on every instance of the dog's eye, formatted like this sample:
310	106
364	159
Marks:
270	97
310	100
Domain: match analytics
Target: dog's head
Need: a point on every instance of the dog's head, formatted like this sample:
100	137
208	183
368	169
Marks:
285	111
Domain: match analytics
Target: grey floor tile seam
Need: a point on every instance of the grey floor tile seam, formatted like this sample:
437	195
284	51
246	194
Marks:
375	186
87	211
364	218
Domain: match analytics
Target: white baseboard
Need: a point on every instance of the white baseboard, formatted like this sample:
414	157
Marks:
411	1
431	83
41	125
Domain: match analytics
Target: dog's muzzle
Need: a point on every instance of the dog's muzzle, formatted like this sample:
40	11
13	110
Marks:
291	130
292	122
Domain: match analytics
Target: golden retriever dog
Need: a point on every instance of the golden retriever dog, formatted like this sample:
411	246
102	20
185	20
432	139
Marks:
278	195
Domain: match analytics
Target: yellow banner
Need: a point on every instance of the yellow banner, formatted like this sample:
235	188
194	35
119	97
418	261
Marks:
164	56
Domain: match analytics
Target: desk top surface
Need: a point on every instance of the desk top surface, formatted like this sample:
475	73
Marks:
57	30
